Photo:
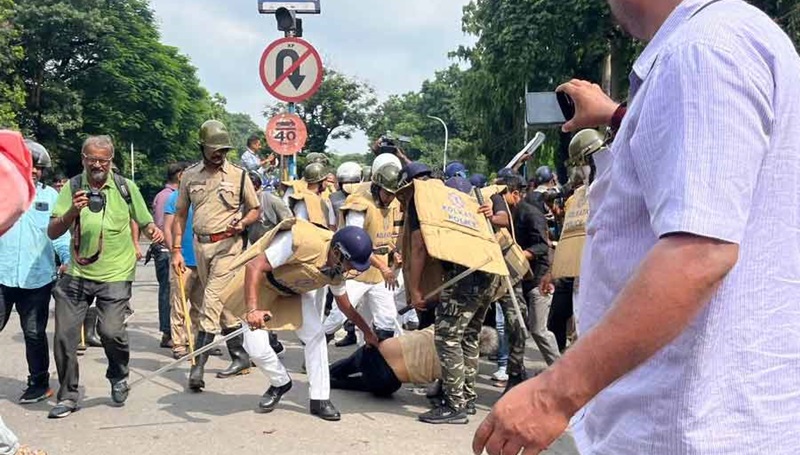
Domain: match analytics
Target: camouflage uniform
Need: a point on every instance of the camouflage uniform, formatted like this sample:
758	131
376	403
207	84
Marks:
514	332
458	322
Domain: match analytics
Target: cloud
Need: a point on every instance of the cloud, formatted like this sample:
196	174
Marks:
394	45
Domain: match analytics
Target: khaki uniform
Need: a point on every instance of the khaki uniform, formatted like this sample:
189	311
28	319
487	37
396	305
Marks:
369	287
218	199
290	289
316	206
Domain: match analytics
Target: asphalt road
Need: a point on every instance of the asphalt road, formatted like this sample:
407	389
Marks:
160	417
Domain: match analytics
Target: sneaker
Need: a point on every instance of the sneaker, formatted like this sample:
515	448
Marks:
470	409
119	391
62	409
36	392
444	414
500	375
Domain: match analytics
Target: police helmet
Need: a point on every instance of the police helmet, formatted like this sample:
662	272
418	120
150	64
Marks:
584	144
387	177
349	172
455	169
355	245
255	177
478	180
385	158
543	175
315	173
316	157
459	183
39	155
413	170
214	135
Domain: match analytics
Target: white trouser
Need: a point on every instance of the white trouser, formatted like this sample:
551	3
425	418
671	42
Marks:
378	305
400	301
9	444
256	343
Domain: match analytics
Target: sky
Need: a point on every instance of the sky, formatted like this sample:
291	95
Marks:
394	45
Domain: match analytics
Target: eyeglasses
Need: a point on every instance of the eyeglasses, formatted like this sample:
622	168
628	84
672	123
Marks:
92	160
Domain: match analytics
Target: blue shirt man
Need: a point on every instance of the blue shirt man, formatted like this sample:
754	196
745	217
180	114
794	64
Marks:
27	273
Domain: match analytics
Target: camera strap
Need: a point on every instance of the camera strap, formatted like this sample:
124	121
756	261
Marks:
76	243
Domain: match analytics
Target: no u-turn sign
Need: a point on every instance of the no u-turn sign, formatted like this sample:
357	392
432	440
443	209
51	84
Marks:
291	70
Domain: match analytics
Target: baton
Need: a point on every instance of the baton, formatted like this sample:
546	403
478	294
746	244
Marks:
448	284
507	278
187	318
191	356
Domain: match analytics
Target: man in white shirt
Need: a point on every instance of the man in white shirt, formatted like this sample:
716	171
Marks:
691	270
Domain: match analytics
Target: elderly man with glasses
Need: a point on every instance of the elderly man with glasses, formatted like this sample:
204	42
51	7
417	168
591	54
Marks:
97	207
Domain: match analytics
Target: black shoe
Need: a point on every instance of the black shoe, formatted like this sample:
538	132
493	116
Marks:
119	391
329	337
38	390
272	397
240	361
166	341
62	409
325	410
469	408
349	340
411	326
196	382
444	414
216	352
384	335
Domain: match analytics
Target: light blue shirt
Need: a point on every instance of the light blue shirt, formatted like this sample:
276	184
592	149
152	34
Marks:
250	161
27	255
708	147
186	242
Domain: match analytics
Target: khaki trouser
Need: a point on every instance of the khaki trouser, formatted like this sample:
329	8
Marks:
213	267
194	299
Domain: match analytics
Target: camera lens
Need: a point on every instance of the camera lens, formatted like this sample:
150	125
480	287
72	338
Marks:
96	201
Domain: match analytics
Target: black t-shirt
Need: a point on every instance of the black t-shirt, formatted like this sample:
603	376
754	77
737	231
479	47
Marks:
413	218
499	204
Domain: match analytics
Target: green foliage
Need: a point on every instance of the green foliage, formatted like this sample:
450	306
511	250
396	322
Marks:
340	107
98	67
12	92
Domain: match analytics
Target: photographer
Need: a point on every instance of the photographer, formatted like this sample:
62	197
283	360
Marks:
97	207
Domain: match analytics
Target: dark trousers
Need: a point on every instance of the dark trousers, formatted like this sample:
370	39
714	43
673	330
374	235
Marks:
72	296
162	275
561	311
365	371
33	308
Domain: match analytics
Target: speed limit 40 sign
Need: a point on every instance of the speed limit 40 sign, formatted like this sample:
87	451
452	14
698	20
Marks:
286	134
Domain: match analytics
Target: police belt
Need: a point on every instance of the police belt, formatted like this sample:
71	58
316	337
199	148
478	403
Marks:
214	238
280	286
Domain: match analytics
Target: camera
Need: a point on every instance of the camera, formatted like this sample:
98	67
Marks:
97	200
387	144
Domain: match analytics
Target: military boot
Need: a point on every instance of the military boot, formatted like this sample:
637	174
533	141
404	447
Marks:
196	382
350	339
240	361
515	379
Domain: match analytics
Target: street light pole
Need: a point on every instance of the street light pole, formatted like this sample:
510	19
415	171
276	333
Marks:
446	137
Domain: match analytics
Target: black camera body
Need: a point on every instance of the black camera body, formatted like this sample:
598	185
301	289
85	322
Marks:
97	200
387	144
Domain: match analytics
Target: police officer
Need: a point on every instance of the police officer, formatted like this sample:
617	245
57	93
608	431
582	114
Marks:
374	209
458	317
306	201
294	261
225	204
346	174
455	169
562	281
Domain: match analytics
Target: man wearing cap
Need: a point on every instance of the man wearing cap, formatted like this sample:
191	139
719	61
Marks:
225	204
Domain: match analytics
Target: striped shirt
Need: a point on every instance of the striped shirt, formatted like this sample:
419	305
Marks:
710	146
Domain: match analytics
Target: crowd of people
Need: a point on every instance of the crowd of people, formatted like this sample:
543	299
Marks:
664	247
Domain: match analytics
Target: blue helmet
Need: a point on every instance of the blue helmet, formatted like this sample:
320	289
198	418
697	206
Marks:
355	245
543	175
505	172
413	170
478	180
272	183
455	169
459	183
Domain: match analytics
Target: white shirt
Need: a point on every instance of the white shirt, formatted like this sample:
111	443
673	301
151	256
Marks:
280	251
356	219
301	212
710	146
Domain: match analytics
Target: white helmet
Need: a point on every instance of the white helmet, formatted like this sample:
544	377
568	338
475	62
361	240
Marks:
349	172
383	159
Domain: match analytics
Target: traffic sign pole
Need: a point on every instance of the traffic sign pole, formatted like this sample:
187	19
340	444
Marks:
293	159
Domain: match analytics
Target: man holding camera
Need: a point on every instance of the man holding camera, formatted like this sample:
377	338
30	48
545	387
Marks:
97	207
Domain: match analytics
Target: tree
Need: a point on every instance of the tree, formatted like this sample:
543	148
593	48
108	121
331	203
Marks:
240	126
340	107
12	92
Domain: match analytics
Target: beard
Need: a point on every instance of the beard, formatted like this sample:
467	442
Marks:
98	176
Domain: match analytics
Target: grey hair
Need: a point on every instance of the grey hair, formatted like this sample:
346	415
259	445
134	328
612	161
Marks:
103	142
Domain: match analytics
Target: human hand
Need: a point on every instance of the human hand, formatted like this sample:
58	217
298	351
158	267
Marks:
527	417
389	277
236	227
178	264
154	233
257	318
593	107
139	254
486	210
418	301
79	200
546	284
